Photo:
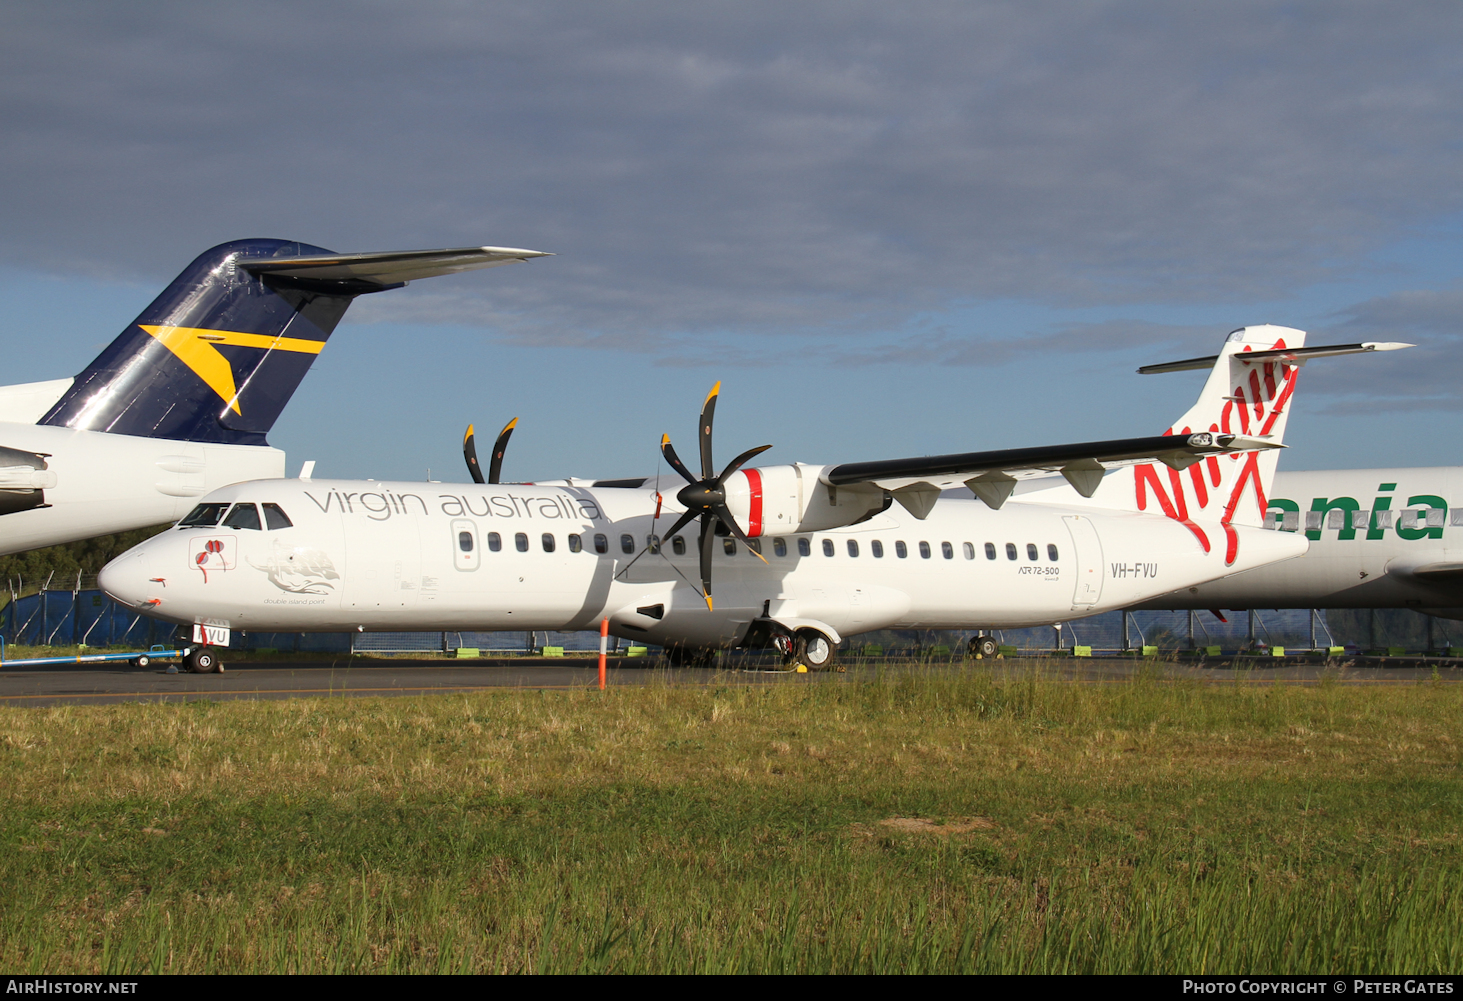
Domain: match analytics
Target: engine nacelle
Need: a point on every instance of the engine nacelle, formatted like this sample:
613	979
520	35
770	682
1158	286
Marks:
786	500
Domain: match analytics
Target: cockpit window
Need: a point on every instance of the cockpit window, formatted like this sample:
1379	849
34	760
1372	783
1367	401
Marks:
243	516
275	518
204	516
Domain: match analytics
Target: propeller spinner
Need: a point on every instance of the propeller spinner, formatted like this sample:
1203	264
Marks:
705	498
495	465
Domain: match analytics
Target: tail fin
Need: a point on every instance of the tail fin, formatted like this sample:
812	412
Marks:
219	353
1241	396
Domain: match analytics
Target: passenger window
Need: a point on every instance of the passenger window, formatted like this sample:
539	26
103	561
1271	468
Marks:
969	551
601	543
678	545
805	548
275	518
652	543
520	541
204	516
464	541
1051	552
779	547
627	544
990	550
1031	550
877	548
1010	550
853	547
729	546
827	547
755	545
548	541
901	550
243	516
924	550
576	545
495	542
947	550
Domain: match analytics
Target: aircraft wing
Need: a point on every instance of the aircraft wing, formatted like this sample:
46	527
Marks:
392	267
992	476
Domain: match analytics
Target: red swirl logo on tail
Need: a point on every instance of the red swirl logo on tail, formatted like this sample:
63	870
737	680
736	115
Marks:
1254	405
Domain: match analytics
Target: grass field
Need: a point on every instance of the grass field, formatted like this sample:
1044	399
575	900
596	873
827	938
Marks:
931	823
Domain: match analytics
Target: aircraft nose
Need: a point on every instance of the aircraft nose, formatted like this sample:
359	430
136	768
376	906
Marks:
126	579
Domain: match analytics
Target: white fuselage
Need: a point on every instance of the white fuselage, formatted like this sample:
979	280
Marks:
421	556
108	483
1353	567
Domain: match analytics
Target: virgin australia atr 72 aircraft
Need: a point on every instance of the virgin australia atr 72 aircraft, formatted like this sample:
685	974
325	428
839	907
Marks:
180	402
801	554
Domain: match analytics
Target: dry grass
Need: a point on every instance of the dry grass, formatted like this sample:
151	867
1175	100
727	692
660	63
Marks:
1149	826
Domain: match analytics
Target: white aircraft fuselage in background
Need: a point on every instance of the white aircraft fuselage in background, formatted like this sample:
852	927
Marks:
1379	538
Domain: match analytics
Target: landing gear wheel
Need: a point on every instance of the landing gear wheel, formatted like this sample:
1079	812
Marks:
982	647
141	661
203	661
814	651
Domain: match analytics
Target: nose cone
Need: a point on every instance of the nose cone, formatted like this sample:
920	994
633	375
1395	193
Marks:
126	579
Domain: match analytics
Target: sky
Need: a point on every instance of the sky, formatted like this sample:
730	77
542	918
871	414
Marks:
889	230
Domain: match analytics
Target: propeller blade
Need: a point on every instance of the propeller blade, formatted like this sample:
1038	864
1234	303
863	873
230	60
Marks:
708	411
470	453
495	465
708	546
724	515
736	463
681	522
674	460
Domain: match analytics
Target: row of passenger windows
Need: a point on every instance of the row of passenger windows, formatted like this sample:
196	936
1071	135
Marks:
628	546
242	516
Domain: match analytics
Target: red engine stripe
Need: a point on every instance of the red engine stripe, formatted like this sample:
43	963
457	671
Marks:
754	518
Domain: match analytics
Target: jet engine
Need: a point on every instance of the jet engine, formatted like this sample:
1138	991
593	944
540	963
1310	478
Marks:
23	480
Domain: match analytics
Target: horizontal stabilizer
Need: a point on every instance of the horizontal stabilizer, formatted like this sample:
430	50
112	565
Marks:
1290	355
992	470
390	267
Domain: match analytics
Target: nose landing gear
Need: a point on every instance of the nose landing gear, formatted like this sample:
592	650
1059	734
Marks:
204	661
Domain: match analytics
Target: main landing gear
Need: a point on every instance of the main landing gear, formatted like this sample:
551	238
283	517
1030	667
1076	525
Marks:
813	651
983	647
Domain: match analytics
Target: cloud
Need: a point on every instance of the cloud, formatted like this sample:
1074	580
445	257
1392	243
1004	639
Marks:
709	172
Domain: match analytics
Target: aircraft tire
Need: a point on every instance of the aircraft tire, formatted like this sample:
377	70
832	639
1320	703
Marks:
203	661
815	651
982	647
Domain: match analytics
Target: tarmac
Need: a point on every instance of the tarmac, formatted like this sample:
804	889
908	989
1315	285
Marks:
345	677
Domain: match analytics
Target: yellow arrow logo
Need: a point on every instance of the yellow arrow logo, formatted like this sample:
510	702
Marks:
196	348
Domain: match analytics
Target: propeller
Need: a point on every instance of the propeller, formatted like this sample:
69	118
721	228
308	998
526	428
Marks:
495	465
705	498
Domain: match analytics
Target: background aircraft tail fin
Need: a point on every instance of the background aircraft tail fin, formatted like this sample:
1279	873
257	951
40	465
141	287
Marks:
219	353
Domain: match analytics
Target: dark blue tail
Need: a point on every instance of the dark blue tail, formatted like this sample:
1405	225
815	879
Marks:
217	356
